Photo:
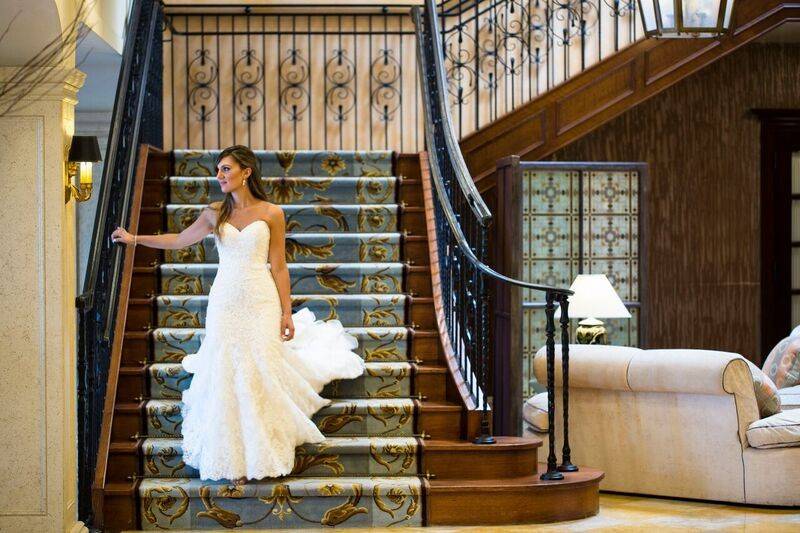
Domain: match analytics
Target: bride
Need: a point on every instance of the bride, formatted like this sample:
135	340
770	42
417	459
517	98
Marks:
258	372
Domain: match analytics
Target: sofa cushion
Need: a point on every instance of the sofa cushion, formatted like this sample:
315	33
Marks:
783	363
534	411
767	397
790	397
777	431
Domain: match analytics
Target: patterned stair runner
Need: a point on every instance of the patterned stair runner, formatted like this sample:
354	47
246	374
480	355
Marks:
344	254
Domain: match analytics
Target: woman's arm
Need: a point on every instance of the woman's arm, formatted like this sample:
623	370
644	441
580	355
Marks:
280	272
171	241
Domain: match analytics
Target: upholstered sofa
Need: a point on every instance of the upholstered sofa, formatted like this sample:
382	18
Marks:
670	423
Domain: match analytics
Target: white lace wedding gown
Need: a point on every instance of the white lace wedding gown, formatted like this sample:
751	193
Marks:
251	395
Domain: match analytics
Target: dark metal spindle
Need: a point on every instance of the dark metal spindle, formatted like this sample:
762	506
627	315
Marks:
566	465
552	466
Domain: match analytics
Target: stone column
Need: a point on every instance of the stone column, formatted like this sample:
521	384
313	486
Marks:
38	471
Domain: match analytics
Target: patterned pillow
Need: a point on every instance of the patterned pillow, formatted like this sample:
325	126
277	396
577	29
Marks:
783	363
767	398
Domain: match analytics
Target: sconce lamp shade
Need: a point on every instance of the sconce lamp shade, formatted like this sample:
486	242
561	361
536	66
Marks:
594	298
686	18
84	149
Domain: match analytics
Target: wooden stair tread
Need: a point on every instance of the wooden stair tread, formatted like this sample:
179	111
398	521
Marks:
584	476
518	443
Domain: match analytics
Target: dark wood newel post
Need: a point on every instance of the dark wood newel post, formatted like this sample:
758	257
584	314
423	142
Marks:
507	311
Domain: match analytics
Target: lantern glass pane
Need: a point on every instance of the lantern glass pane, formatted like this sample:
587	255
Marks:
667	13
648	15
700	13
728	11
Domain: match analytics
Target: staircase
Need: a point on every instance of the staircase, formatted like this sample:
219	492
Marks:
398	450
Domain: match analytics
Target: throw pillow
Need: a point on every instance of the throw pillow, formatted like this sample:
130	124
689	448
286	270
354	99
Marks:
767	397
777	431
790	397
783	363
534	411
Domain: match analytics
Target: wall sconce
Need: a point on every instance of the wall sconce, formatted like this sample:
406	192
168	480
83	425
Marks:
83	151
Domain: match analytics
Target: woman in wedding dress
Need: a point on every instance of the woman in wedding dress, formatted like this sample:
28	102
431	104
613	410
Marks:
258	372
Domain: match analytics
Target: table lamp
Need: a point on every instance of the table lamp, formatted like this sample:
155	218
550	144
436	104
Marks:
594	298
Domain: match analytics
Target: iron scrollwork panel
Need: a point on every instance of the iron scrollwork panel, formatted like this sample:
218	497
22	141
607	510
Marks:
202	73
340	74
385	74
298	81
501	53
248	71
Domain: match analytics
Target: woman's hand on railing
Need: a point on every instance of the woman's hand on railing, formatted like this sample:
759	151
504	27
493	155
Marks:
121	235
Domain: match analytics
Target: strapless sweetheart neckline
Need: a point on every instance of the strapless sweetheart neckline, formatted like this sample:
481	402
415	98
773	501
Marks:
247	226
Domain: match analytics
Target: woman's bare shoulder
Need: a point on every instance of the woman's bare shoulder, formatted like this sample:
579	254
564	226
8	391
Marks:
272	211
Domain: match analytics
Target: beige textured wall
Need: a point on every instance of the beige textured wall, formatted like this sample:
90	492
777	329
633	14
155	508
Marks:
38	474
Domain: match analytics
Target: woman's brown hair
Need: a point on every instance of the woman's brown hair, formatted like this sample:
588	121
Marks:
245	157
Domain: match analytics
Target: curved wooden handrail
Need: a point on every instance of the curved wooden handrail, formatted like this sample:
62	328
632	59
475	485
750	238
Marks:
607	89
119	336
471	411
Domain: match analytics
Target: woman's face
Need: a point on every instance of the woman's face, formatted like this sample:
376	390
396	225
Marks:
230	175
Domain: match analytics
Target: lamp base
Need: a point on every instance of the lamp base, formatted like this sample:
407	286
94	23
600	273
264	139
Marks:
591	331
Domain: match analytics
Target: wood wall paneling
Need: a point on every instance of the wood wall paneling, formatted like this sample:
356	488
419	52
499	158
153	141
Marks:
701	143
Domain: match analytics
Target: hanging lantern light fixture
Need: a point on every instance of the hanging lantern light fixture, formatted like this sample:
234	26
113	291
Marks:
686	18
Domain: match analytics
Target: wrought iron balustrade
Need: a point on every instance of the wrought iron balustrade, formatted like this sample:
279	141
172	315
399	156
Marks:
500	54
288	78
136	119
462	222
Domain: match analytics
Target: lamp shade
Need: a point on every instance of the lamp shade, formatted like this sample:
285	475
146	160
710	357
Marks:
686	18
594	298
84	149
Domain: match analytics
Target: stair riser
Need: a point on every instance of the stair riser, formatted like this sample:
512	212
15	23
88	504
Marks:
376	383
157	192
197	279
380	460
412	220
523	505
445	424
308	248
351	310
483	462
188	279
170	382
415	251
403	422
129	423
141	382
170	346
285	504
163	458
292	163
309	218
304	279
285	191
410	192
378	418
